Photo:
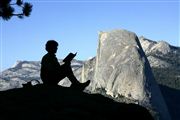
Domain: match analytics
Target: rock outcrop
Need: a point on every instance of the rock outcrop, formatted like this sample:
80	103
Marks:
151	46
164	60
60	103
122	69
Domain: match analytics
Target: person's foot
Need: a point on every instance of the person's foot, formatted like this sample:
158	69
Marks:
80	86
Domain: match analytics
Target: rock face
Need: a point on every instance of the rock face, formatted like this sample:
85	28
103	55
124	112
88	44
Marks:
164	60
120	65
88	71
122	69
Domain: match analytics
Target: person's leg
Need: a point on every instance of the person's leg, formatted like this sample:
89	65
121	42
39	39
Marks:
75	84
66	71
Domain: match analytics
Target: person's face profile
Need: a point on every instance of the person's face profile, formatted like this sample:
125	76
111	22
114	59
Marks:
54	49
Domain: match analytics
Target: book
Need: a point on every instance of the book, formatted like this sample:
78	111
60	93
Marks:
69	57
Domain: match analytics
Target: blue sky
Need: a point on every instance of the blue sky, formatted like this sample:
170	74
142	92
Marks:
75	25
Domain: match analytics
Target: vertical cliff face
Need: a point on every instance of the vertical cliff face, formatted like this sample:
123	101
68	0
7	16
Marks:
122	68
88	71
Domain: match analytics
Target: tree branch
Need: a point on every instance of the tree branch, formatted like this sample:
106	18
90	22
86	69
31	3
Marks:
19	14
12	4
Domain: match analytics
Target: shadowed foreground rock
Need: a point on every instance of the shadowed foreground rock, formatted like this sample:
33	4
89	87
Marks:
58	103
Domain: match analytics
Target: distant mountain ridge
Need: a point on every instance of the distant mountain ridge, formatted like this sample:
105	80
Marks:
164	60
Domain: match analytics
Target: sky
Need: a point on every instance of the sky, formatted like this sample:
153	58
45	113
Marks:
75	25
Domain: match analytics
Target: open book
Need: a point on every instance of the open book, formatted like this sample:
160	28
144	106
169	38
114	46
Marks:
69	57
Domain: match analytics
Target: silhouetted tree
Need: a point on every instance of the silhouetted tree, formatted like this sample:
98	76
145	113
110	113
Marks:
7	9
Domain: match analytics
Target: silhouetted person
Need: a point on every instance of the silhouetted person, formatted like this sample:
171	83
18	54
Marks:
52	72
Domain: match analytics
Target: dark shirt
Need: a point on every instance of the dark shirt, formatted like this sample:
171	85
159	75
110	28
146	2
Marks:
50	69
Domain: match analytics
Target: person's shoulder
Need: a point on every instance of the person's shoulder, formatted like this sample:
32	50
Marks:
45	57
48	57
